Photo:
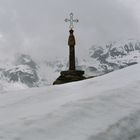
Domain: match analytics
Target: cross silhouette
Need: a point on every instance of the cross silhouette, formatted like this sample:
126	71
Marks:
71	20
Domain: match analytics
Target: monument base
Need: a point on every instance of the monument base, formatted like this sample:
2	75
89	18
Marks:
69	76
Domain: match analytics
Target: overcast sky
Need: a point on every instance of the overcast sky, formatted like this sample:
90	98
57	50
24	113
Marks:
37	27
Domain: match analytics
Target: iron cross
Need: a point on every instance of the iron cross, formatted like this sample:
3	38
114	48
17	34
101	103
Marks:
71	20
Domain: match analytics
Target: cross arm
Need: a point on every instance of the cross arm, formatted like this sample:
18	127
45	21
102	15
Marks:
67	20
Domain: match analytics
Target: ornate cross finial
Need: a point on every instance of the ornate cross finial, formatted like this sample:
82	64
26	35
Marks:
71	20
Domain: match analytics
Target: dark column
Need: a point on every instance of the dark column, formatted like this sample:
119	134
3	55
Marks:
72	74
71	43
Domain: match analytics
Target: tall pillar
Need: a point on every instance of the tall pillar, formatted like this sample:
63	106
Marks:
72	74
71	43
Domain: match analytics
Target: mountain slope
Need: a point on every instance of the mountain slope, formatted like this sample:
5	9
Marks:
22	73
103	108
116	55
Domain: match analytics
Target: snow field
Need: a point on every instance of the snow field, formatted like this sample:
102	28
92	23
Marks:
102	108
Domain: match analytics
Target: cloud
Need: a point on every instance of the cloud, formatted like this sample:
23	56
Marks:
37	27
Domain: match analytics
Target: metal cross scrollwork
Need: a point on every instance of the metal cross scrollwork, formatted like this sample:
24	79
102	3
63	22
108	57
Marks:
71	20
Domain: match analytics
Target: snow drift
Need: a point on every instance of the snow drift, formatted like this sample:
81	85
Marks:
102	108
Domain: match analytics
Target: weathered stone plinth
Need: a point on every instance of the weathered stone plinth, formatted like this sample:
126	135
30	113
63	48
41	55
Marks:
69	76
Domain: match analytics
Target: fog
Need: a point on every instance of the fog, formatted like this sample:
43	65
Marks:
37	27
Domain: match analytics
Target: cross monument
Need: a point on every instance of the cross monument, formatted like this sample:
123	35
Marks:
71	42
72	74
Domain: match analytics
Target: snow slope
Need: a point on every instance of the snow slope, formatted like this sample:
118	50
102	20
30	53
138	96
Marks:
103	108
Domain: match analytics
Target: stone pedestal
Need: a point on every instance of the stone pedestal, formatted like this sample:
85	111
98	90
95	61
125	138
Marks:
69	76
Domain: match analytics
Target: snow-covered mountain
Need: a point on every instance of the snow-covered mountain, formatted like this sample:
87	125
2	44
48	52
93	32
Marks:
116	55
102	108
24	72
